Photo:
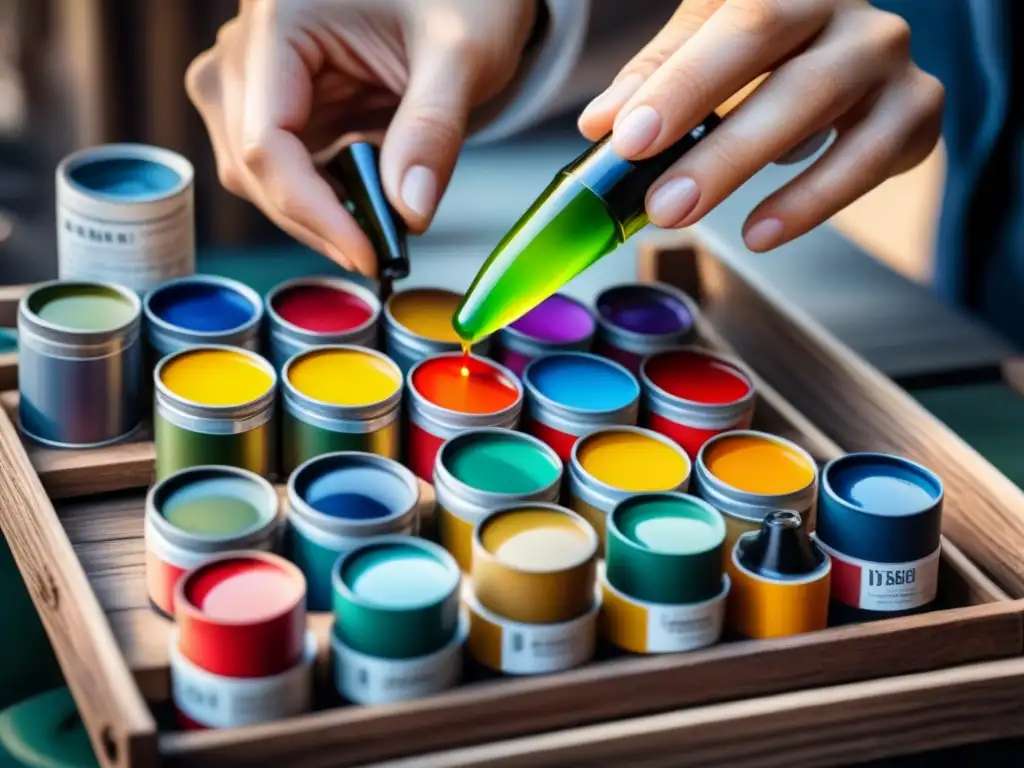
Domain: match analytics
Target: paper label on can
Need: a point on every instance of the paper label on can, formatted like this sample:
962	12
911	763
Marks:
540	649
883	586
671	629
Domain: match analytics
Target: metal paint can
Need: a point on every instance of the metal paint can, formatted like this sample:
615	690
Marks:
451	393
320	311
79	364
125	215
487	469
635	320
691	395
780	580
560	410
214	405
198	513
335	503
339	398
557	324
614	463
396	597
534	563
880	520
418	325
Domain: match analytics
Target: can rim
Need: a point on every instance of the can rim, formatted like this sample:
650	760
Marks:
25	310
707	475
251	296
168	394
342	284
334	408
126	150
419	402
610	329
684	404
479	550
538	397
510	332
717	521
914	467
816	575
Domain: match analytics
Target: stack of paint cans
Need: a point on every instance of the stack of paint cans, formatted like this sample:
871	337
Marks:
570	394
614	463
487	469
533	604
418	325
398	630
780	580
880	520
636	320
240	651
663	586
745	475
557	324
335	503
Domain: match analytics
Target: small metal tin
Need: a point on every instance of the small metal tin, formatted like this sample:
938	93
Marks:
780	580
665	548
335	503
534	563
79	364
451	393
880	520
396	597
214	405
570	394
242	614
635	320
486	469
557	324
417	326
125	215
309	312
339	398
691	395
200	512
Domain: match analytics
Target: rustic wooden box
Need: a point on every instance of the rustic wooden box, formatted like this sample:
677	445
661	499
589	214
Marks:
74	523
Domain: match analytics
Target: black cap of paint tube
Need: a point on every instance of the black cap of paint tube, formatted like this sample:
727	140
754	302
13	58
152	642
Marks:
356	167
782	548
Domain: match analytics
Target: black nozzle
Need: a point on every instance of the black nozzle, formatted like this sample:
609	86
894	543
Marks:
782	548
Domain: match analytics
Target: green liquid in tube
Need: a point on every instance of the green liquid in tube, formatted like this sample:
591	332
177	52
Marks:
592	207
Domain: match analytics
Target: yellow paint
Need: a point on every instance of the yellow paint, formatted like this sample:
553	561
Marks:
427	312
455	535
759	609
622	622
758	465
218	377
633	461
344	377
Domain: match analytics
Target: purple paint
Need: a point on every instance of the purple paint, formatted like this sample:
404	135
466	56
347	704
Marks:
556	320
644	309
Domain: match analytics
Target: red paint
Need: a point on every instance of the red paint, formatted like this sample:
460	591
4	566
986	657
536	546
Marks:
322	308
561	442
691	439
242	615
422	452
161	579
696	377
464	384
630	360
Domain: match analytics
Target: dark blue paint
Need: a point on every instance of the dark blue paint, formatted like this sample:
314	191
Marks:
351	506
126	178
202	306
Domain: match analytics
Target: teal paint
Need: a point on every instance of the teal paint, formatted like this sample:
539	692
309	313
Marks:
671	527
397	576
497	463
45	731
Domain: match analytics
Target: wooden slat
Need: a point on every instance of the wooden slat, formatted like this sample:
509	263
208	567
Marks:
8	371
10	295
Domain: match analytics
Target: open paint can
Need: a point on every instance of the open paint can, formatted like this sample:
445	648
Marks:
310	312
486	469
691	395
339	398
79	364
614	463
336	502
557	324
396	597
570	394
639	319
418	325
214	405
451	393
880	520
534	563
197	513
780	580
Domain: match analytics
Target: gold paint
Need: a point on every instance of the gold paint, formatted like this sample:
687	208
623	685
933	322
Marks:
427	312
485	640
622	622
598	518
456	535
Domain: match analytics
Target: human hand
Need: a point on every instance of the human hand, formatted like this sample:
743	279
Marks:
286	79
832	63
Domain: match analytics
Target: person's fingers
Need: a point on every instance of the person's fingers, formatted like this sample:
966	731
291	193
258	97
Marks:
790	112
740	41
898	132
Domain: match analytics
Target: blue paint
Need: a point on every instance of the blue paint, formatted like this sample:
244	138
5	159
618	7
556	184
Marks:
126	178
882	487
352	506
346	488
583	382
203	306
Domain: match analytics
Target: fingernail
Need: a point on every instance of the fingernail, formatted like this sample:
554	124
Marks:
614	96
673	201
764	235
419	190
636	131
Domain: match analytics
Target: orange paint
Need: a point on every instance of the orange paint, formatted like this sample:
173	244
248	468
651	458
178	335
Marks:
464	384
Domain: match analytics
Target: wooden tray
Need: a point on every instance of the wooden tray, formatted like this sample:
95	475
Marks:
83	562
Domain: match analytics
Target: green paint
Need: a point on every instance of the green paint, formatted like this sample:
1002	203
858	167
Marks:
398	576
45	731
215	507
502	464
671	527
83	308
